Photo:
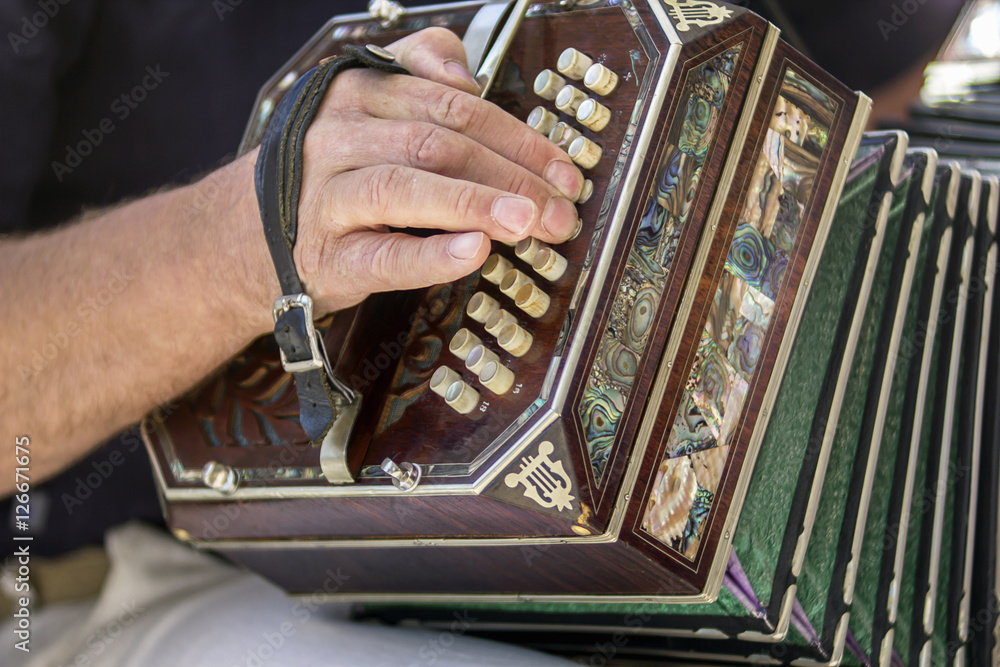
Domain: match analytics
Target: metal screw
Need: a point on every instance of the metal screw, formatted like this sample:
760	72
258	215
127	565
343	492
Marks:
405	477
220	477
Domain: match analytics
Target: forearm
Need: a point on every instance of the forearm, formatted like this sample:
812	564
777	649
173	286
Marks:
110	316
107	318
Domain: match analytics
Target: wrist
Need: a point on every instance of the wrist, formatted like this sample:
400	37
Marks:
224	204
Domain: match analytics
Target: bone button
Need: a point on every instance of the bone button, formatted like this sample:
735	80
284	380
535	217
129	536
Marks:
569	99
481	306
498	320
600	79
548	84
542	120
593	114
588	192
585	152
515	340
532	300
479	357
527	248
497	378
495	267
463	342
514	280
549	264
563	135
461	397
443	378
573	64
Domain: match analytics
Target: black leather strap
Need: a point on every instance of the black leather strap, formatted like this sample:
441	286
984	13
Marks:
278	181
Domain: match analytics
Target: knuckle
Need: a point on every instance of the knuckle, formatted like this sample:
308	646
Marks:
523	183
465	206
457	110
526	148
385	187
428	145
384	260
439	36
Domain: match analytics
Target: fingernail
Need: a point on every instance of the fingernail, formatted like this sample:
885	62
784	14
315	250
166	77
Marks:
465	246
513	213
458	70
560	218
564	177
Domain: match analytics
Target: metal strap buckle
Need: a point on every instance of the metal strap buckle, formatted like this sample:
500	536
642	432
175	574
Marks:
316	357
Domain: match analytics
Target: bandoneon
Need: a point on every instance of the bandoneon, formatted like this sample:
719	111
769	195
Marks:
702	425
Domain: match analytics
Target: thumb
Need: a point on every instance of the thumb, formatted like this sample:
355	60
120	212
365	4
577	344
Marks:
436	54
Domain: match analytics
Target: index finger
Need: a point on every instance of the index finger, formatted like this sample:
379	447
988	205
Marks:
410	98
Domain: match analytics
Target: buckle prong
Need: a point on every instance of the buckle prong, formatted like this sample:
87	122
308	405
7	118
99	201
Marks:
316	358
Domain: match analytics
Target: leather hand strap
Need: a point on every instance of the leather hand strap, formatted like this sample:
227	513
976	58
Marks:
278	180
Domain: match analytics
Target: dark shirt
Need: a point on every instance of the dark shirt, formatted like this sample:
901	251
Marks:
101	100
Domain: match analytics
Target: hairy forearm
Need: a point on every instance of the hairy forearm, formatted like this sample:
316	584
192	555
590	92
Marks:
110	316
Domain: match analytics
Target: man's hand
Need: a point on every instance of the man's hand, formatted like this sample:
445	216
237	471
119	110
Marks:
421	151
181	284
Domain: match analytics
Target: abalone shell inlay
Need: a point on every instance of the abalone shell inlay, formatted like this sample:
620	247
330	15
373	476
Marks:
636	305
697	446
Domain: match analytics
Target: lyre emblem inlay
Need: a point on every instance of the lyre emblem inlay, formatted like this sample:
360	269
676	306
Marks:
545	481
700	13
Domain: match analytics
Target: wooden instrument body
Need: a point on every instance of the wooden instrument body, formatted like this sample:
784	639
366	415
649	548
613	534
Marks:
687	253
888	472
912	461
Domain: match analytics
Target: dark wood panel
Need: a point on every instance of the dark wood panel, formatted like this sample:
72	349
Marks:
607	569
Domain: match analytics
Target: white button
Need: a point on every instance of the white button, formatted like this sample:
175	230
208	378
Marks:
495	267
481	306
569	99
463	342
496	377
563	135
443	378
527	248
549	264
515	340
573	64
585	152
548	84
542	120
532	300
513	281
479	357
593	114
600	79
498	320
462	397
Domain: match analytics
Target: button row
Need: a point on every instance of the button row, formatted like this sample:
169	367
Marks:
510	336
595	76
571	101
